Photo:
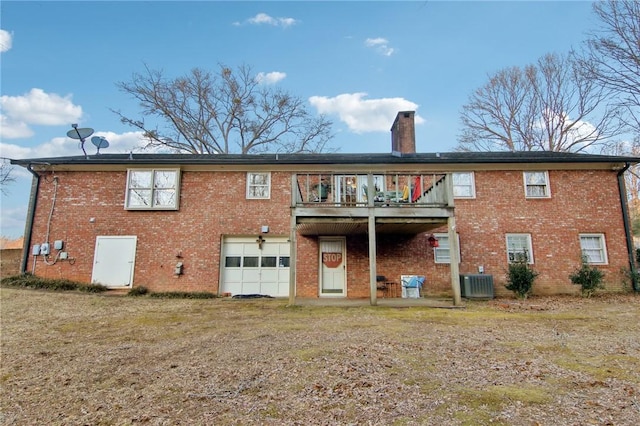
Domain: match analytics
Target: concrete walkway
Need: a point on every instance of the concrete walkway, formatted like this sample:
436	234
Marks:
395	302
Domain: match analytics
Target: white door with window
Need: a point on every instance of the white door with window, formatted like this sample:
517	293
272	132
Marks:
250	266
333	267
114	261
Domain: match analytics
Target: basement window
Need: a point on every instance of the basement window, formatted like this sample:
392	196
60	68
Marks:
441	254
594	248
519	248
152	189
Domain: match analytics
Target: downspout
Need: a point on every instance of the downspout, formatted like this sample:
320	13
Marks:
31	212
627	227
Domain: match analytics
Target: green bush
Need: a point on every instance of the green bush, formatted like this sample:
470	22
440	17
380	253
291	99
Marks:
15	280
92	288
588	277
520	278
38	283
182	295
138	291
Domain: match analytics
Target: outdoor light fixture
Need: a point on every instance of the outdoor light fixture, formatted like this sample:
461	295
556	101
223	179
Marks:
260	240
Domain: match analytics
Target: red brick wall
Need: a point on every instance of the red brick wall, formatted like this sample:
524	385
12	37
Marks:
214	204
308	265
396	255
211	205
581	202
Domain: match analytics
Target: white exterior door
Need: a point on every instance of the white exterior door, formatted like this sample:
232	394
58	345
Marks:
333	267
114	260
250	268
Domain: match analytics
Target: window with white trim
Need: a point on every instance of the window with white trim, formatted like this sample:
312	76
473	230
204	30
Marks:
536	185
593	248
441	254
258	185
153	189
519	248
464	185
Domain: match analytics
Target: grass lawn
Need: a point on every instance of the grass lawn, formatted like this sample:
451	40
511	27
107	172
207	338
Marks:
72	358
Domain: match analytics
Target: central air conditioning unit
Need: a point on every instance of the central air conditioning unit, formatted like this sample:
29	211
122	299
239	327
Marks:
476	286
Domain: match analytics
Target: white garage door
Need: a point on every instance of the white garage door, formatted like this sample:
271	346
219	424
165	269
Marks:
250	268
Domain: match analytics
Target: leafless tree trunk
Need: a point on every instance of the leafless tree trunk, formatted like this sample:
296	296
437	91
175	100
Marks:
613	54
222	113
546	106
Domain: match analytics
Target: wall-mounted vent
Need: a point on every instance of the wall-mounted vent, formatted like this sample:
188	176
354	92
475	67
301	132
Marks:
476	286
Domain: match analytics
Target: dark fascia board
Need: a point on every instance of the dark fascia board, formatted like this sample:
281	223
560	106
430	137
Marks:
321	159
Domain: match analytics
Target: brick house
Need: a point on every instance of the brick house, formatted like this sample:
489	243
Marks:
327	225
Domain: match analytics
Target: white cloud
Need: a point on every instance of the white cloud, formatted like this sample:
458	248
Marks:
39	107
12	220
264	19
122	142
6	40
380	45
287	22
364	115
13	151
35	107
270	77
583	134
11	129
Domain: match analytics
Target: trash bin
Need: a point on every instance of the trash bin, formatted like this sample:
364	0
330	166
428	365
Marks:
411	286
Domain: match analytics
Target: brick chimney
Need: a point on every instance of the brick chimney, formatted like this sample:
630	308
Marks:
403	133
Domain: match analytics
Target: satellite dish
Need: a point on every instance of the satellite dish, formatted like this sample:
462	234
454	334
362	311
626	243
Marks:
99	142
81	134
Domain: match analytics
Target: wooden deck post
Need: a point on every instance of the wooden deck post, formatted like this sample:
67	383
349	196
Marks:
453	256
292	242
453	243
373	283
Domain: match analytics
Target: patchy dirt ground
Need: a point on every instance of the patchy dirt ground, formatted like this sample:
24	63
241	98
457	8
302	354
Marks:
82	359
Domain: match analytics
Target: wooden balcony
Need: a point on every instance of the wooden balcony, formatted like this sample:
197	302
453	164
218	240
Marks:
343	204
327	204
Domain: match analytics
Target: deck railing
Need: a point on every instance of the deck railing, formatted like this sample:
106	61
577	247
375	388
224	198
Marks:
372	189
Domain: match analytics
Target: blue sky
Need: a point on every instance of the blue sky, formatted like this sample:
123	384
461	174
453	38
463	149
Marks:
358	62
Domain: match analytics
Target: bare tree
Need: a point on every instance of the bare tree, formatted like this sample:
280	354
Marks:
225	112
613	54
546	106
5	175
632	177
